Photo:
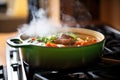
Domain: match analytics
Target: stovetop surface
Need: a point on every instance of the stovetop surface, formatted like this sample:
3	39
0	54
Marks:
101	71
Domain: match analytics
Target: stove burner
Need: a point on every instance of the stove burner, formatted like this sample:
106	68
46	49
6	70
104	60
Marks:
101	71
62	76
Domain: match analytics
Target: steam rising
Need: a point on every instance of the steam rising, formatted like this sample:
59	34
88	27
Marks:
39	26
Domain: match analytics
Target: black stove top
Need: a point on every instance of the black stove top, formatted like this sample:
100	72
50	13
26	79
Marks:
107	69
100	71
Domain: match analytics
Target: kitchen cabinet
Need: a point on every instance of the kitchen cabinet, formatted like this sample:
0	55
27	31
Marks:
13	13
102	11
110	13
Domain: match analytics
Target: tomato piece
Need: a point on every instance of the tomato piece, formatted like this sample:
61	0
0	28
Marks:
84	43
33	39
94	40
78	42
81	43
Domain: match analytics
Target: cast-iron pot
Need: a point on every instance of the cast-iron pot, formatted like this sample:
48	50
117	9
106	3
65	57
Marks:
55	58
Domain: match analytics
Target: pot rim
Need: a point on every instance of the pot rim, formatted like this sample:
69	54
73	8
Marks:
65	29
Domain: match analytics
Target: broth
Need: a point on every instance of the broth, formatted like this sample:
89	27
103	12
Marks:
67	39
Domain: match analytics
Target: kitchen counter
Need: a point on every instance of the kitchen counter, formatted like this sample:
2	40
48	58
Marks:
3	38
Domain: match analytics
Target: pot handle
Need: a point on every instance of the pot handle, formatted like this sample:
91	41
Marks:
112	61
16	42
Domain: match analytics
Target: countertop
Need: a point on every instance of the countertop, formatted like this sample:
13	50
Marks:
3	38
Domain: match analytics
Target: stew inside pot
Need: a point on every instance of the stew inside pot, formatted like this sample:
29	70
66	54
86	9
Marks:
66	39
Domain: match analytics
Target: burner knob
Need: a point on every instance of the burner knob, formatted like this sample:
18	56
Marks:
11	54
15	66
1	72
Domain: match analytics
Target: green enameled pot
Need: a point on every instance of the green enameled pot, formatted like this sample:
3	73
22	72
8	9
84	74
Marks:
54	58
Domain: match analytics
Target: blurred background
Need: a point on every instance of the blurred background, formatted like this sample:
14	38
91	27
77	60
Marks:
14	13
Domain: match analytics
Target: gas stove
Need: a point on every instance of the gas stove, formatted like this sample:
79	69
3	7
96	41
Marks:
107	69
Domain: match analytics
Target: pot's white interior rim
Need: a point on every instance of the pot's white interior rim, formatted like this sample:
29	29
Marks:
94	33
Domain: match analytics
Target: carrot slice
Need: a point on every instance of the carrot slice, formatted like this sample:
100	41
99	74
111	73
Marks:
49	44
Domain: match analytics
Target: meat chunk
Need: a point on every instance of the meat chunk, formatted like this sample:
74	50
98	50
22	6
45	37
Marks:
64	39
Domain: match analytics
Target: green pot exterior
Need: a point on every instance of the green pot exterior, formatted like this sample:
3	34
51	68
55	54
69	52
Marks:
64	57
61	58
